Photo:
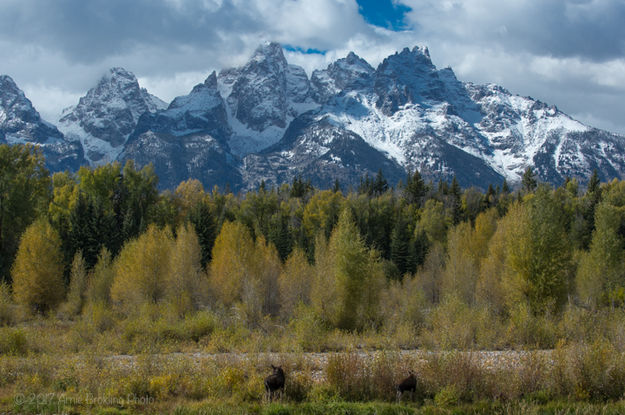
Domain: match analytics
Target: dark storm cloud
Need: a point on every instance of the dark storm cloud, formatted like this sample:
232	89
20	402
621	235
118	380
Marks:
87	31
591	29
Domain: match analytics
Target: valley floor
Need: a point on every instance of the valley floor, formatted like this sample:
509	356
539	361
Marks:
352	382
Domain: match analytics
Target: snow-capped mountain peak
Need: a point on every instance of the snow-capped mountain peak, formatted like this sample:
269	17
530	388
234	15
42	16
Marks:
20	123
349	73
107	114
267	121
268	51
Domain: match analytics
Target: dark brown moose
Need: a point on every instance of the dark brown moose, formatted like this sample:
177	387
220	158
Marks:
407	385
274	383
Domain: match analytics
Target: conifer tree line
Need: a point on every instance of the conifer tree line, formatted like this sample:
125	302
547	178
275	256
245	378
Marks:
375	256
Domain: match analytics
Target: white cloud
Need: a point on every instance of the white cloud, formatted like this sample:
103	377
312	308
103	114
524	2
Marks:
569	52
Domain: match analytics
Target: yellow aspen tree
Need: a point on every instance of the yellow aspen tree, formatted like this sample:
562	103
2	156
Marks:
266	268
324	296
77	286
295	282
101	279
141	269
230	267
185	283
38	268
461	270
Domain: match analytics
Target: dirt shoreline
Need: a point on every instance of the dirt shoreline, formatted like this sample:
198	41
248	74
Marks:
316	362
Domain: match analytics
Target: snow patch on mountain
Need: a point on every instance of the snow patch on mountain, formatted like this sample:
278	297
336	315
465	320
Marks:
106	116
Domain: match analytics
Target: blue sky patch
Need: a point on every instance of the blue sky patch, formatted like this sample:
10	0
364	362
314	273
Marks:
308	51
383	13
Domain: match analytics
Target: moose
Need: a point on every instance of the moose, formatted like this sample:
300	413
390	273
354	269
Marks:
274	383
407	385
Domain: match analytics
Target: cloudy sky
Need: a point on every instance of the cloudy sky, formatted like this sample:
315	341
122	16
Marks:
570	53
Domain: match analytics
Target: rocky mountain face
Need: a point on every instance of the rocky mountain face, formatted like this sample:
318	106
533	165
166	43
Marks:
189	139
267	121
20	123
105	117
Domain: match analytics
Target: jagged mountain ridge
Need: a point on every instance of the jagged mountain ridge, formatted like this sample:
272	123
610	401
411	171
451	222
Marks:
105	117
267	121
20	123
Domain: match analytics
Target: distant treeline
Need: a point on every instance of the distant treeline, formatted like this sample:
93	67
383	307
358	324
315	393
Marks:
416	245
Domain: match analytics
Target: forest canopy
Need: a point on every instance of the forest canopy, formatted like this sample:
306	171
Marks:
380	256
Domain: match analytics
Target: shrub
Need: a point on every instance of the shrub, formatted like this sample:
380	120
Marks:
306	330
596	370
447	396
353	376
7	308
456	325
13	342
526	328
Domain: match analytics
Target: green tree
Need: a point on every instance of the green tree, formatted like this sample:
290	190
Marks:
356	278
402	246
24	195
433	221
455	203
601	273
540	253
38	269
321	213
528	181
593	183
279	232
381	184
203	220
415	189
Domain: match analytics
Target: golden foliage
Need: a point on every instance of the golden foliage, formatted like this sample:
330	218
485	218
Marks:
38	268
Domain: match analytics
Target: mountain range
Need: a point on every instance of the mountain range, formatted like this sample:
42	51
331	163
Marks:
268	121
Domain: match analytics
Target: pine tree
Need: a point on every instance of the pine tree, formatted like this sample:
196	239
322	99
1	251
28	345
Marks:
380	185
505	189
402	246
593	183
490	197
203	221
279	233
456	201
337	186
415	188
528	182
